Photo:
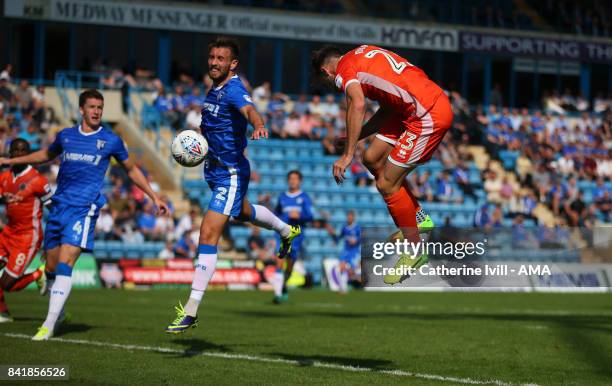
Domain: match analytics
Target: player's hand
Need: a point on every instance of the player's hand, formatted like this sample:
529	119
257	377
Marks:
3	161
161	206
261	132
339	144
294	215
340	166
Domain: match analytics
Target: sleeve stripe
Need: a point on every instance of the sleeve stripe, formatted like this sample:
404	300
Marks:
46	198
349	82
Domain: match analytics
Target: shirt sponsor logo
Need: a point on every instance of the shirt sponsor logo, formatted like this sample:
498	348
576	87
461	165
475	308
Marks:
80	157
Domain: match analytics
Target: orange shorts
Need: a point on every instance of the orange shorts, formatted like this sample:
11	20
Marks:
416	138
18	250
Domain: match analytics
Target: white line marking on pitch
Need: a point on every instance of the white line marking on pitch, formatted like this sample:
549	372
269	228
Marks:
334	366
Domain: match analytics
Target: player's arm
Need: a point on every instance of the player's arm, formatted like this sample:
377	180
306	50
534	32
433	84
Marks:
140	180
38	157
356	106
251	114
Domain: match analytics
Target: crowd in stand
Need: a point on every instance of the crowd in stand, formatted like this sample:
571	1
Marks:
590	18
555	152
22	112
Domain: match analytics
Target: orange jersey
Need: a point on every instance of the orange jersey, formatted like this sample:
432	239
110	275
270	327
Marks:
31	190
388	79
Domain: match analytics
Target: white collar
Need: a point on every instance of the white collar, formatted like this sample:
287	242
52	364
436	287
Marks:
88	134
295	194
22	173
220	87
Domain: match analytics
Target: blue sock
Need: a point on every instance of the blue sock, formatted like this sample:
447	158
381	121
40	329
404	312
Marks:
63	269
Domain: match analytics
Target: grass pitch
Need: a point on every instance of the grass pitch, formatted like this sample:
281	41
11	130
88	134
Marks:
116	337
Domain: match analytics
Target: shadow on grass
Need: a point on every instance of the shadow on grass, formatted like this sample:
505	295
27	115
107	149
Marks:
309	360
194	347
577	330
68	328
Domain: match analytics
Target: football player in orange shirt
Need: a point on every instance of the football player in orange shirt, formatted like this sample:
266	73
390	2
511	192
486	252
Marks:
413	117
24	191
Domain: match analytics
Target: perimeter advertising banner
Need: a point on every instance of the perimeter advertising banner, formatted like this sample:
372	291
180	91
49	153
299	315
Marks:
116	273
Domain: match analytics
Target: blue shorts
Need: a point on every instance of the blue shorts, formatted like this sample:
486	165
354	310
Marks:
229	186
73	225
296	246
350	256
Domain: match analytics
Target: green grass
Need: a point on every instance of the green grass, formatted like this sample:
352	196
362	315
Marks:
513	337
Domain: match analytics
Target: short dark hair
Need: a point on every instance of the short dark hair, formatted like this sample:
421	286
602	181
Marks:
299	174
225	42
321	56
19	141
89	94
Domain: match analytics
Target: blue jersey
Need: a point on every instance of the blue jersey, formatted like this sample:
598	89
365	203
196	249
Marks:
84	160
223	126
352	236
298	201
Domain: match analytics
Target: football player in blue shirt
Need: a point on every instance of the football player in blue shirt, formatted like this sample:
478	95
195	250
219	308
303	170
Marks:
85	150
295	208
226	112
351	252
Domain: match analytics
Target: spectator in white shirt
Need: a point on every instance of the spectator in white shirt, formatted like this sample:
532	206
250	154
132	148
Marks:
194	117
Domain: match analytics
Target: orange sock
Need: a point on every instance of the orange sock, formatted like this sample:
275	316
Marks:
415	203
402	210
23	281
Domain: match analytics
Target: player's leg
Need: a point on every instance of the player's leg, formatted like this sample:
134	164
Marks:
210	233
263	217
51	249
11	284
60	291
76	234
51	259
5	316
284	269
280	286
344	274
415	146
376	156
24	249
294	254
278	280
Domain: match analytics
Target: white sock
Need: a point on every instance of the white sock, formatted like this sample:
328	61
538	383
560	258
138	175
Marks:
277	282
204	270
59	294
263	217
343	281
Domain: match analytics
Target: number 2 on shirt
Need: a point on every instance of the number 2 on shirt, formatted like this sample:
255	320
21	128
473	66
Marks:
397	67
